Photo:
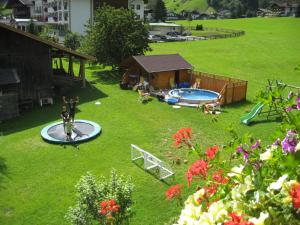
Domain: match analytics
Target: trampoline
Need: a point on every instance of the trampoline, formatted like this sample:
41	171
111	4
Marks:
83	130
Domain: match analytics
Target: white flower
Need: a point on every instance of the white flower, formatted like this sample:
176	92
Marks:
190	212
198	195
297	147
261	220
206	219
278	184
266	155
237	206
218	211
236	171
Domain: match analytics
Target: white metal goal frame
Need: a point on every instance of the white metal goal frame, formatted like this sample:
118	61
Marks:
151	162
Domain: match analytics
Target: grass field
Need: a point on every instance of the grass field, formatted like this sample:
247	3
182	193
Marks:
37	185
189	5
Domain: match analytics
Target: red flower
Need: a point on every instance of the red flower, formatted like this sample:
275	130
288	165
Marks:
108	207
200	167
237	220
217	176
295	194
183	135
210	190
174	192
211	152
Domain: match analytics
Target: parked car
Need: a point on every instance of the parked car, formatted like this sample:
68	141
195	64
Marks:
173	34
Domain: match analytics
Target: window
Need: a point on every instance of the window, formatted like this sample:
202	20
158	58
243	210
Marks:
60	16
132	6
138	7
138	17
59	5
66	16
65	5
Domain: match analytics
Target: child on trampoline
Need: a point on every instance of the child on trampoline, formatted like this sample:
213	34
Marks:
68	129
64	115
71	106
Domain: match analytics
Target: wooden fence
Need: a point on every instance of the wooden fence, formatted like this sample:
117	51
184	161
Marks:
228	33
232	90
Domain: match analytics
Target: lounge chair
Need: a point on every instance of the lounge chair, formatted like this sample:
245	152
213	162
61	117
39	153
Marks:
197	84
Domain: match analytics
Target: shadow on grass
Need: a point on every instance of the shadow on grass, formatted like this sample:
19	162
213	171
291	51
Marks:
154	172
107	77
43	115
3	171
244	104
265	120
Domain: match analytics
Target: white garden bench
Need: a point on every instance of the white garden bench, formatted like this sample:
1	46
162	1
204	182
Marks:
151	162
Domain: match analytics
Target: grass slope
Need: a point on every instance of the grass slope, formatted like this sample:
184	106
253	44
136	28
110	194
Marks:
37	187
188	5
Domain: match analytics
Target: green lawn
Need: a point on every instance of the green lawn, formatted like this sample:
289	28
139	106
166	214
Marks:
38	185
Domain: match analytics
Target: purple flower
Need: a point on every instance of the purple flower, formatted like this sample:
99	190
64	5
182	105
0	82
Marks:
277	142
288	109
298	99
290	95
298	106
289	143
241	150
256	145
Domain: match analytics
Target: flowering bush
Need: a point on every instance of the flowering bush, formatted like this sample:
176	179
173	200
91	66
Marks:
109	209
106	202
175	192
263	189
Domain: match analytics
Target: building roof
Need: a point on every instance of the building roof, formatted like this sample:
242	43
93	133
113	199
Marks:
50	44
23	2
160	63
9	76
165	24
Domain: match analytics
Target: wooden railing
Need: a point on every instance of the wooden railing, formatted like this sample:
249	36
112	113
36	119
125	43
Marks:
232	90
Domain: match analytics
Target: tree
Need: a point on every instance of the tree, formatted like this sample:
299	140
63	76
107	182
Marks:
72	40
160	11
32	28
298	11
115	35
189	19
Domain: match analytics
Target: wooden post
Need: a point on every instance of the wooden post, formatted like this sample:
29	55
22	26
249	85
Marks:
82	72
246	87
61	64
71	71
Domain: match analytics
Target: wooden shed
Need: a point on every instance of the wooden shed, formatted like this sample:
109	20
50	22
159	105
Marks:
39	63
9	87
161	71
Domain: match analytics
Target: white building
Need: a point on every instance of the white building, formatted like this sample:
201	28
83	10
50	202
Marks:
138	6
164	28
74	14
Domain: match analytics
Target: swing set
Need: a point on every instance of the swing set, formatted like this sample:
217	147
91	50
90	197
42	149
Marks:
274	102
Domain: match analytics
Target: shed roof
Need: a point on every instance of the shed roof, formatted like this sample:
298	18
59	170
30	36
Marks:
46	42
160	63
9	76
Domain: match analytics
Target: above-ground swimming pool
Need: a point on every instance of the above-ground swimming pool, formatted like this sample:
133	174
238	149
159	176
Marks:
194	96
83	130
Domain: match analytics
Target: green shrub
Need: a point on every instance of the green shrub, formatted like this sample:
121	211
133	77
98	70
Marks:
90	194
199	27
72	40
